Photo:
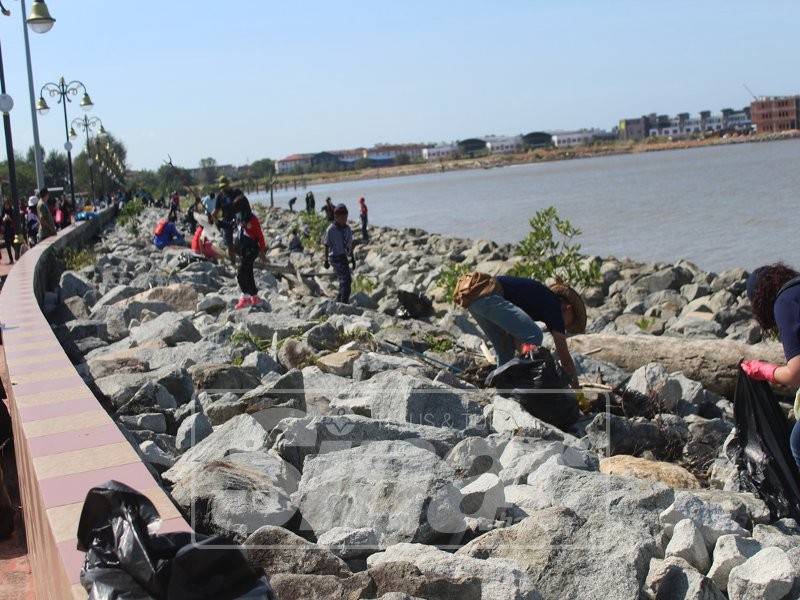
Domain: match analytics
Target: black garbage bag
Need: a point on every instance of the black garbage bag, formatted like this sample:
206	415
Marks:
416	306
124	561
535	383
761	451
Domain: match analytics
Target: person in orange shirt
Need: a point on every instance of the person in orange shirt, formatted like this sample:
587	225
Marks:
202	246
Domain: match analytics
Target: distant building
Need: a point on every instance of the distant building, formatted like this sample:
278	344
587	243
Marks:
564	139
775	113
439	152
498	144
292	163
390	152
538	139
633	129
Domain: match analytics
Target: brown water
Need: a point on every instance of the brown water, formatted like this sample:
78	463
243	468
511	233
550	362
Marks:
720	206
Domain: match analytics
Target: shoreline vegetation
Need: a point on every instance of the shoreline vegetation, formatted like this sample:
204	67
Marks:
533	156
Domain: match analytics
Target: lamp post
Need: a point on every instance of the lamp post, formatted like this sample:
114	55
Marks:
86	124
6	104
63	90
39	21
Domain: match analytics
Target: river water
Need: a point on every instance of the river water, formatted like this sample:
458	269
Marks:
720	207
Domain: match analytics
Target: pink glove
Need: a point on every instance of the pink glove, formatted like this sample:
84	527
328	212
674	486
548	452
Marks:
759	370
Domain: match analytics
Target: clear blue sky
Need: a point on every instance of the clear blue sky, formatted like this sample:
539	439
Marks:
250	79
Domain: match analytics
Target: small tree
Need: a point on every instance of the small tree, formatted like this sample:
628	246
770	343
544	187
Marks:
548	251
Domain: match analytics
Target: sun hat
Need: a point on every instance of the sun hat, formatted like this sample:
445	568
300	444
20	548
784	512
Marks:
573	298
32	201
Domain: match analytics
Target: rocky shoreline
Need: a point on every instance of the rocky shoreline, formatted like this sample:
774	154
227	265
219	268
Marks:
351	469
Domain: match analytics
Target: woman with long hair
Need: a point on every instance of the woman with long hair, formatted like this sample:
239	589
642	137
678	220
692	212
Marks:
249	244
774	293
9	225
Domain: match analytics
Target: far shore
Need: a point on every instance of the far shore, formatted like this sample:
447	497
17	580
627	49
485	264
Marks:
529	157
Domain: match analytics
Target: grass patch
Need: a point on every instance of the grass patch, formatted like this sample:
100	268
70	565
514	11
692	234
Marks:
129	212
77	258
312	226
438	343
362	284
449	277
644	323
245	337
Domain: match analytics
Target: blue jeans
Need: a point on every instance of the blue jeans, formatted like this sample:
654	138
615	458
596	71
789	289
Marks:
794	442
342	268
504	322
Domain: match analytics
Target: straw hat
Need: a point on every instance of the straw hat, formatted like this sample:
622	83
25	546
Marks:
573	298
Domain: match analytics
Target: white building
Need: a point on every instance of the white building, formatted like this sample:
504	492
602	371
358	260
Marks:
439	152
738	121
563	139
292	162
498	144
387	152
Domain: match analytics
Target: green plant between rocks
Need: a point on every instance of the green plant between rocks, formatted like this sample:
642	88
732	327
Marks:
438	343
129	212
312	226
245	337
77	258
548	252
644	323
449	276
362	283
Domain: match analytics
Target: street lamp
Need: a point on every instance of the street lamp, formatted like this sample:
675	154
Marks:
86	125
6	104
39	21
63	90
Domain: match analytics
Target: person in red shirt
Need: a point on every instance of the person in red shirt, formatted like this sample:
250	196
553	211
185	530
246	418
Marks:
202	246
250	244
363	206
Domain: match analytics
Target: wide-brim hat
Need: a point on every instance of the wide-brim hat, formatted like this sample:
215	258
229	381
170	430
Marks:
573	298
223	181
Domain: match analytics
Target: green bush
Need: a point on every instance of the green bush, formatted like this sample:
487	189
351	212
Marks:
77	258
130	211
245	337
548	251
438	343
313	225
362	284
449	276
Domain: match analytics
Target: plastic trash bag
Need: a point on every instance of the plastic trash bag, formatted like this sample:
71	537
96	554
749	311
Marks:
124	561
761	451
535	383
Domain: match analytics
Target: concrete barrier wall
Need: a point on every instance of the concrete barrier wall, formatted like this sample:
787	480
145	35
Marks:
65	442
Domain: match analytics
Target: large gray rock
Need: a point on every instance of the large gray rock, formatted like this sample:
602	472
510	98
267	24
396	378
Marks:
297	438
400	397
73	284
767	575
476	455
712	519
781	534
507	416
612	561
483	497
264	325
225	498
222	377
522	456
348	544
370	364
86	328
114	295
192	430
687	543
169	328
277	550
323	337
674	578
269	463
729	552
653	381
400	490
187	354
498	578
120	388
240	434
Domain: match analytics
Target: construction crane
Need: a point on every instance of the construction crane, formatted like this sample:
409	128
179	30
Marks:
749	91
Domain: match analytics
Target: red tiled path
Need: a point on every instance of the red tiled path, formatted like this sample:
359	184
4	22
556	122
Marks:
65	442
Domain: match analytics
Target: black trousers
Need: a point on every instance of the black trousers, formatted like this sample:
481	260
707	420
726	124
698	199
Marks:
8	240
364	233
342	268
245	277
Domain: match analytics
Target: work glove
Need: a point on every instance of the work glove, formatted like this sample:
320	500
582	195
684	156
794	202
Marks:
759	370
528	349
327	264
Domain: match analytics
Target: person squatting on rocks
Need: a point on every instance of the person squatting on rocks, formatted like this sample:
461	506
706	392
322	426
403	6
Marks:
8	225
295	244
166	232
362	204
328	209
202	246
250	244
44	210
225	216
338	247
507	309
774	292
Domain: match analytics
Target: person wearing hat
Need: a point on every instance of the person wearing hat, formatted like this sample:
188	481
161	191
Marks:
338	243
509	318
225	215
774	293
32	222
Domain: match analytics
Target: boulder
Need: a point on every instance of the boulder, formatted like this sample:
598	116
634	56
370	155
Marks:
240	434
730	551
767	575
400	397
169	328
154	422
497	578
262	362
483	497
120	388
348	544
323	337
370	364
297	438
225	408
153	454
226	499
151	397
85	328
270	464
294	354
522	456
277	550
507	416
180	296
193	430
674	578
400	490
475	456
712	520
669	474
339	363
264	325
687	543
73	284
779	534
653	381
114	295
222	377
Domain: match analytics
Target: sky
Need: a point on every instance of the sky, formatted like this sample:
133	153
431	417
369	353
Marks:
244	80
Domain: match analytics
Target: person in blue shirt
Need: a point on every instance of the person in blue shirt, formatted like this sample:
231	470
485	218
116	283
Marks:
509	318
338	242
166	233
774	293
